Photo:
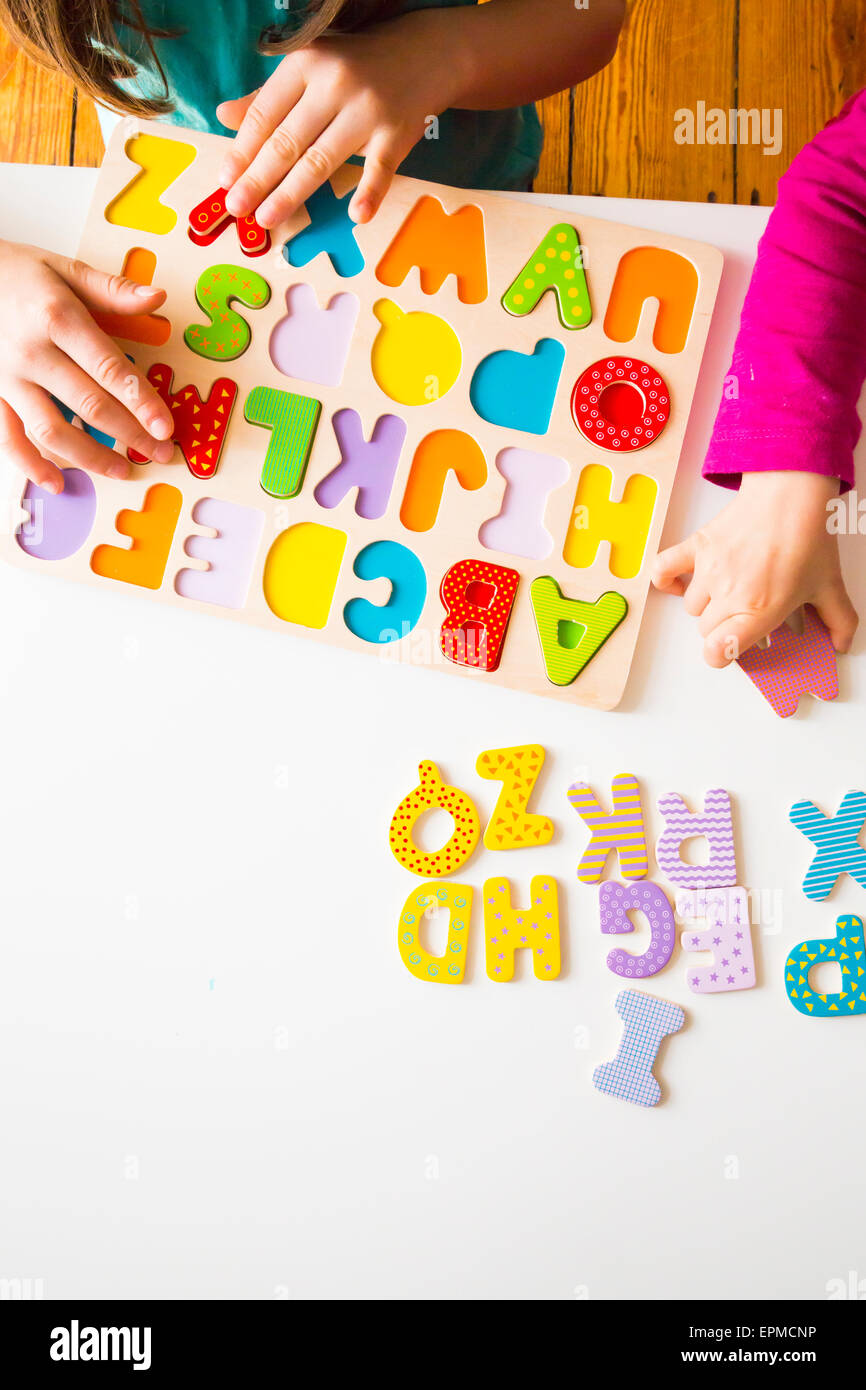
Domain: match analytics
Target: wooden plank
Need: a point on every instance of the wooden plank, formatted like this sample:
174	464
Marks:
35	111
556	117
670	56
824	63
89	145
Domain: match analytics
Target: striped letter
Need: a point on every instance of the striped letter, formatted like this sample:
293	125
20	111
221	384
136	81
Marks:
622	831
293	421
714	826
839	851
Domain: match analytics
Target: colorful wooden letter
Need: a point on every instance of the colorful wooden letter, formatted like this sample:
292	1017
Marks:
199	425
836	841
416	357
438	454
58	523
794	664
456	900
572	631
516	389
510	929
152	329
616	901
293	421
226	335
620	405
651	272
845	949
312	343
597	518
368	466
622	830
230	554
713	824
519	528
478	599
646	1021
151	531
728	935
301	573
512	825
210	217
557	265
138	205
331	230
432	792
394	620
439	244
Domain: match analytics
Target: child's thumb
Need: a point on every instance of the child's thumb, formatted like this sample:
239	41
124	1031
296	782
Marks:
838	614
100	291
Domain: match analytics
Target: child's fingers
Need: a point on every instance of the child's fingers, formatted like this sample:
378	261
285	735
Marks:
725	639
291	140
64	379
15	446
53	434
115	294
836	610
727	606
270	105
331	149
73	331
381	162
696	597
672	565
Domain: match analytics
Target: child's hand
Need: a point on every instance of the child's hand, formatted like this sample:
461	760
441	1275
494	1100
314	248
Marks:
367	93
50	346
761	558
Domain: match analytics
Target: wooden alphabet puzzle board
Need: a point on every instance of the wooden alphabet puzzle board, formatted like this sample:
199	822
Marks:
452	432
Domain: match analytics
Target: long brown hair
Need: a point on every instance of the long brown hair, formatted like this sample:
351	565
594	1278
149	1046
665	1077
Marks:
79	38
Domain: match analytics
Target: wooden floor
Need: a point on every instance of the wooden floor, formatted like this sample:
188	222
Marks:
615	134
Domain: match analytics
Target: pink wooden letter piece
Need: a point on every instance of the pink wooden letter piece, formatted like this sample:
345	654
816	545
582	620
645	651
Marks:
794	664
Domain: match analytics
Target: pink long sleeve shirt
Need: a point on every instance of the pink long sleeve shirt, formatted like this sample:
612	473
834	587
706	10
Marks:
800	356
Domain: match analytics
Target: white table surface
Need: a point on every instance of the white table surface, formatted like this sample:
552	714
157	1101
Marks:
219	1080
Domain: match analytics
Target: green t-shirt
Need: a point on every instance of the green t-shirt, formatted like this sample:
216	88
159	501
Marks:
215	59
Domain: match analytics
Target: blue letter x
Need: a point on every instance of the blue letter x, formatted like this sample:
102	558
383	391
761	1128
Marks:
838	849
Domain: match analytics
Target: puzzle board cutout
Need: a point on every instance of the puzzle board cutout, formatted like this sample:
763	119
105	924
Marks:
468	412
